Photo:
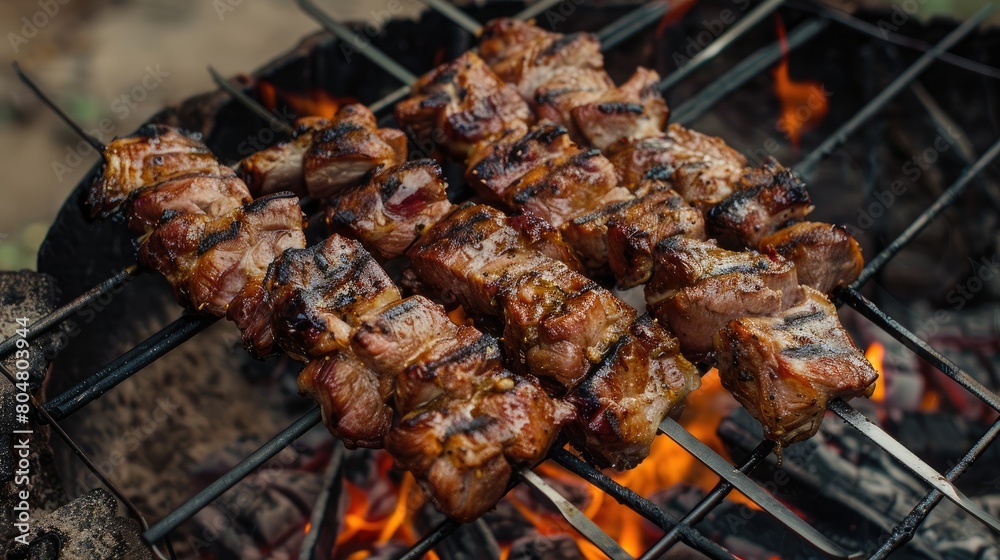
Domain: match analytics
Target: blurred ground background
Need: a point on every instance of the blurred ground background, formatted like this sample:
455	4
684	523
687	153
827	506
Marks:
90	53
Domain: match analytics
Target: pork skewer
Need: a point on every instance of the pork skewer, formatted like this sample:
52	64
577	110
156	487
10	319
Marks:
557	324
526	167
466	424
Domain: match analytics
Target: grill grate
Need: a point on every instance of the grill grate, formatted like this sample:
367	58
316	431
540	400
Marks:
188	326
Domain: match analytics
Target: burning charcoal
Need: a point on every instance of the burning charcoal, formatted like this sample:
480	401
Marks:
87	527
538	547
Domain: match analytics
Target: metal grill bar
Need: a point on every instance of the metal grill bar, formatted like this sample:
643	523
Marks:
712	499
694	108
946	199
249	103
639	504
50	320
173	519
806	167
911	461
366	50
740	28
751	490
126	365
884	34
905	530
861	304
576	518
630	24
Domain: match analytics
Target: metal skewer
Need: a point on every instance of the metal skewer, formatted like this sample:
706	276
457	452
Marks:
97	145
576	518
912	462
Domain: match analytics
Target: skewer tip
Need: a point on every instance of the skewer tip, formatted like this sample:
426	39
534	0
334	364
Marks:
37	90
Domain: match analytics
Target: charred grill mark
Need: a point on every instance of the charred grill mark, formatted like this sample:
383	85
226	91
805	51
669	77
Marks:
446	75
558	45
436	100
477	424
395	311
389	186
808	351
213	239
332	133
605	211
660	173
262	202
485	344
798	320
618	107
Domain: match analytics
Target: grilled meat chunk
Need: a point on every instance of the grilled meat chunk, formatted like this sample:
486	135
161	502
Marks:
825	256
633	232
392	209
345	151
354	400
280	167
785	369
528	56
563	78
697	288
766	199
633	110
557	323
619	408
539	235
463	451
212	195
554	100
210	261
545	173
451	367
151	155
321	294
459	104
703	169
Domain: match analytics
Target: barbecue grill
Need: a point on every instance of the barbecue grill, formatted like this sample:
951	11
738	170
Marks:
676	530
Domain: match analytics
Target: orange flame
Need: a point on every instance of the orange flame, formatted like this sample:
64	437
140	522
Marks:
803	103
317	103
875	354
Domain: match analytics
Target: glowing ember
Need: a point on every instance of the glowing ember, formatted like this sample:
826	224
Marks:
875	354
316	103
803	103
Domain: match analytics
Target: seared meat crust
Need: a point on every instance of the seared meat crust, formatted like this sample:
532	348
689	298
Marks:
766	199
698	288
619	408
557	323
459	104
825	256
785	369
391	210
463	451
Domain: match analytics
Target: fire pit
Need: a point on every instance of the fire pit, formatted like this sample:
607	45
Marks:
888	156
